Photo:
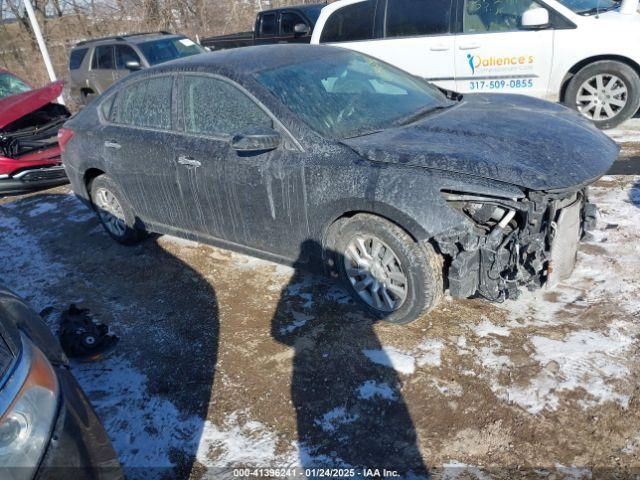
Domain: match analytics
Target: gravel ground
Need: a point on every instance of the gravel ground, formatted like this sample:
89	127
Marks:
225	360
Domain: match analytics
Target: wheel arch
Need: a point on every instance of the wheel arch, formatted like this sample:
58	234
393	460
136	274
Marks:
89	176
587	61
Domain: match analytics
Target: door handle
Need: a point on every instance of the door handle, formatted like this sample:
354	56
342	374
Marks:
439	48
114	145
469	46
190	162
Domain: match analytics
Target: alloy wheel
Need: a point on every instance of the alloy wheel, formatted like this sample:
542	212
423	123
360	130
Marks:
376	274
602	97
110	212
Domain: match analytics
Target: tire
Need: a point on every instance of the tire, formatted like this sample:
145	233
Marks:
590	96
115	214
420	265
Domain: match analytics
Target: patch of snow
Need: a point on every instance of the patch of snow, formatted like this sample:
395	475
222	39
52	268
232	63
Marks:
486	328
392	358
453	470
574	473
331	420
299	320
429	353
371	389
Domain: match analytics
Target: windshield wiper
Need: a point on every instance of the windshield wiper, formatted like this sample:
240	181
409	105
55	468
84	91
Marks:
423	112
597	10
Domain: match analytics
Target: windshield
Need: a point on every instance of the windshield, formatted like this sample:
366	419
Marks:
167	49
10	85
347	94
590	7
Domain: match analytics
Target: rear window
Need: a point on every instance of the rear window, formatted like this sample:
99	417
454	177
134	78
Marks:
76	58
407	18
350	23
147	104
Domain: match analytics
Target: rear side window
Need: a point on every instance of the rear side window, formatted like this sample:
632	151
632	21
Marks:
288	21
350	23
268	24
217	108
147	104
107	108
406	18
76	58
103	58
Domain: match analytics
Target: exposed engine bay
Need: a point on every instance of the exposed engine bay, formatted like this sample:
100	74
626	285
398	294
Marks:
529	242
36	131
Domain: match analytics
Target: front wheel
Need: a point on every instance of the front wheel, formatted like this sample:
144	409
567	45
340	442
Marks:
115	214
606	92
393	277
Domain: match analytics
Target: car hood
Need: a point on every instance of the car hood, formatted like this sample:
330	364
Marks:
515	139
14	107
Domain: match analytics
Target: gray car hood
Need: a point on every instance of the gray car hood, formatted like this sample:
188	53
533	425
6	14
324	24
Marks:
515	139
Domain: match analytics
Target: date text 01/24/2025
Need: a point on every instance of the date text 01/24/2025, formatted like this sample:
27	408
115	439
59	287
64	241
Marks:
501	84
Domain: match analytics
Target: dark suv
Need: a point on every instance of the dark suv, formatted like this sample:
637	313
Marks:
95	64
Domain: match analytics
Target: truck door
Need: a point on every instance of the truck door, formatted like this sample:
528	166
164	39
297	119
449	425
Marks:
494	54
266	29
414	35
101	75
125	54
289	20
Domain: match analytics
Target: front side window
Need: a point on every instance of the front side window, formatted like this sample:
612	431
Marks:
76	58
10	85
268	24
489	16
406	18
351	23
124	54
103	58
217	108
167	49
348	94
288	21
147	104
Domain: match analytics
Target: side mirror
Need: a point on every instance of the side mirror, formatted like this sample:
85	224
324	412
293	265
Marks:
133	65
207	49
535	19
256	139
301	28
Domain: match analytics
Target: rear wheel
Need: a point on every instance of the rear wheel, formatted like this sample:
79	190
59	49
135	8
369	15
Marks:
606	92
386	271
115	214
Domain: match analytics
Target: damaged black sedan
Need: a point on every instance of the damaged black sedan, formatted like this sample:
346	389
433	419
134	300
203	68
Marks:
328	158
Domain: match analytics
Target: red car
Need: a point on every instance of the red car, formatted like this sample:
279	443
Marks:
29	123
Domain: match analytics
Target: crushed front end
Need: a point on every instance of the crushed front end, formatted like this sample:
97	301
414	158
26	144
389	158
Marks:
511	243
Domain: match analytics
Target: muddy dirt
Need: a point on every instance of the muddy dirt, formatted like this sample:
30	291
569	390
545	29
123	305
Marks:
227	361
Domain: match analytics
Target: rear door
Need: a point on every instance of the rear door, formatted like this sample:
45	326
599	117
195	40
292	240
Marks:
102	73
139	150
414	35
266	28
252	199
494	54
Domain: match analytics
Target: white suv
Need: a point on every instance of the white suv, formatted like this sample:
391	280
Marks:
584	53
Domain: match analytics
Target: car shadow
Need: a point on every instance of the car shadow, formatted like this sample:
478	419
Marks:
152	392
348	400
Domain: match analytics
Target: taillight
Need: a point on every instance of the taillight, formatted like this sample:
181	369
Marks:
64	135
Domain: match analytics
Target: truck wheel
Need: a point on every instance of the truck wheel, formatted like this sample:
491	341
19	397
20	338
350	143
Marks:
115	214
606	92
386	271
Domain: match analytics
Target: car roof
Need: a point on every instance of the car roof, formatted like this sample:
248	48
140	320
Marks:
130	38
247	60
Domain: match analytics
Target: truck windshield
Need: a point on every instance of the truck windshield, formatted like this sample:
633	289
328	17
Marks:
10	85
167	49
347	94
590	7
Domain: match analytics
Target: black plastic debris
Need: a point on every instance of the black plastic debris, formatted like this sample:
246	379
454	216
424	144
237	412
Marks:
83	337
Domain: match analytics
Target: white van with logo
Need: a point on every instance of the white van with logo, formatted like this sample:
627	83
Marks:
584	53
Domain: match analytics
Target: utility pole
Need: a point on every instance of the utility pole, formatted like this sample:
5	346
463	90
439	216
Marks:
41	43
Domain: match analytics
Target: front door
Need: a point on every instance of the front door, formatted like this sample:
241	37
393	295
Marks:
101	75
124	54
493	54
252	199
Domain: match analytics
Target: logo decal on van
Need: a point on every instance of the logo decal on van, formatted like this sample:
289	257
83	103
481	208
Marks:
520	62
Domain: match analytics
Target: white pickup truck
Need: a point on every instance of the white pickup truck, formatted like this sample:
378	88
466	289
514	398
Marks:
584	53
